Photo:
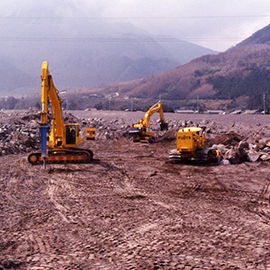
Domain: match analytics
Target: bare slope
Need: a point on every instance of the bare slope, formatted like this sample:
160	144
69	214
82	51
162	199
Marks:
240	71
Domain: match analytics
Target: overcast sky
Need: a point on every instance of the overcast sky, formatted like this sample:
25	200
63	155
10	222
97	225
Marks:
215	24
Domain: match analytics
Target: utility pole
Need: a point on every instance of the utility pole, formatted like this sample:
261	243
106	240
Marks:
264	103
131	104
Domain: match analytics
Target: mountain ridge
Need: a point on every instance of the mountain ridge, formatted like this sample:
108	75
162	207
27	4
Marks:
241	71
83	54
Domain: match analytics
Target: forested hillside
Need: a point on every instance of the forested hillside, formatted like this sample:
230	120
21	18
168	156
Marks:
242	71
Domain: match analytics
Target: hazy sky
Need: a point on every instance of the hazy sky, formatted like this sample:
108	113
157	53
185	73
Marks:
215	24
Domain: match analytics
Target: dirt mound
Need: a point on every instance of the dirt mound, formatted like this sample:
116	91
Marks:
230	138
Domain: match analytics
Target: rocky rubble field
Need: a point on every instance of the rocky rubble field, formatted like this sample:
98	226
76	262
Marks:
130	208
19	133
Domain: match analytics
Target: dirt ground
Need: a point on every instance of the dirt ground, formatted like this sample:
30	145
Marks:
132	209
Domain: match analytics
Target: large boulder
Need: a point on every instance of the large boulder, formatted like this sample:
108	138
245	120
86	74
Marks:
236	155
230	138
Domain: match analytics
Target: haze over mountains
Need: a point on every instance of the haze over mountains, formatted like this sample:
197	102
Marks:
242	72
83	52
106	56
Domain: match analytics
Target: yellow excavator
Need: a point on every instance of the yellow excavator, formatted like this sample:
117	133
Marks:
191	147
90	133
61	145
142	131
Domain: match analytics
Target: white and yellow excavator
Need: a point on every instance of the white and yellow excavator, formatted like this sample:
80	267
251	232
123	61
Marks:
191	147
142	131
61	145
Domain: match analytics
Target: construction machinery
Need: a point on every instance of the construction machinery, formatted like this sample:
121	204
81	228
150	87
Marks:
90	133
60	145
142	131
191	147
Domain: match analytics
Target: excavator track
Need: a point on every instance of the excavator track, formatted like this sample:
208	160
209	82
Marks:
62	156
202	156
175	156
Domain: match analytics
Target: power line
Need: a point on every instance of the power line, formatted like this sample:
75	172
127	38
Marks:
135	18
116	39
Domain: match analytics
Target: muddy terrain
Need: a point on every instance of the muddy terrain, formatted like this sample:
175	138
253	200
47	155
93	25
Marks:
130	208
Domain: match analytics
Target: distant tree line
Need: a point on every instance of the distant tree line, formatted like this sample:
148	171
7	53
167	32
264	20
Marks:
254	85
12	103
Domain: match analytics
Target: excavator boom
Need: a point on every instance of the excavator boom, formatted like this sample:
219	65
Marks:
49	92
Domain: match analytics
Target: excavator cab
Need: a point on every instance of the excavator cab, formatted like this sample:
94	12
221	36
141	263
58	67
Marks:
71	133
189	140
191	147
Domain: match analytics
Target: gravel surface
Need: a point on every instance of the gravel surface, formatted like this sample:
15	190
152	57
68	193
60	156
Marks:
132	209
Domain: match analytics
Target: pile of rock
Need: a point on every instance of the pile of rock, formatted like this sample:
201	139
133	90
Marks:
252	145
113	130
245	151
19	133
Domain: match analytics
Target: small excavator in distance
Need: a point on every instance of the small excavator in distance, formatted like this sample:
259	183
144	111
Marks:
142	130
191	148
90	133
61	146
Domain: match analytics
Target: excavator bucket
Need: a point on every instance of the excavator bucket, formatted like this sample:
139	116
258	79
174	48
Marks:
163	126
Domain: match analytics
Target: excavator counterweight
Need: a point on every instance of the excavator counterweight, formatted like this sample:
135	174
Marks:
191	147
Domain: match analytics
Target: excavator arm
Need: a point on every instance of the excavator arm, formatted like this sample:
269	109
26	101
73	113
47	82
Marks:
155	108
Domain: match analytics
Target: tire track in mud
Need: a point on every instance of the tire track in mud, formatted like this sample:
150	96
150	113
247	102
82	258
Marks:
122	182
164	227
126	186
137	233
224	234
53	190
133	211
